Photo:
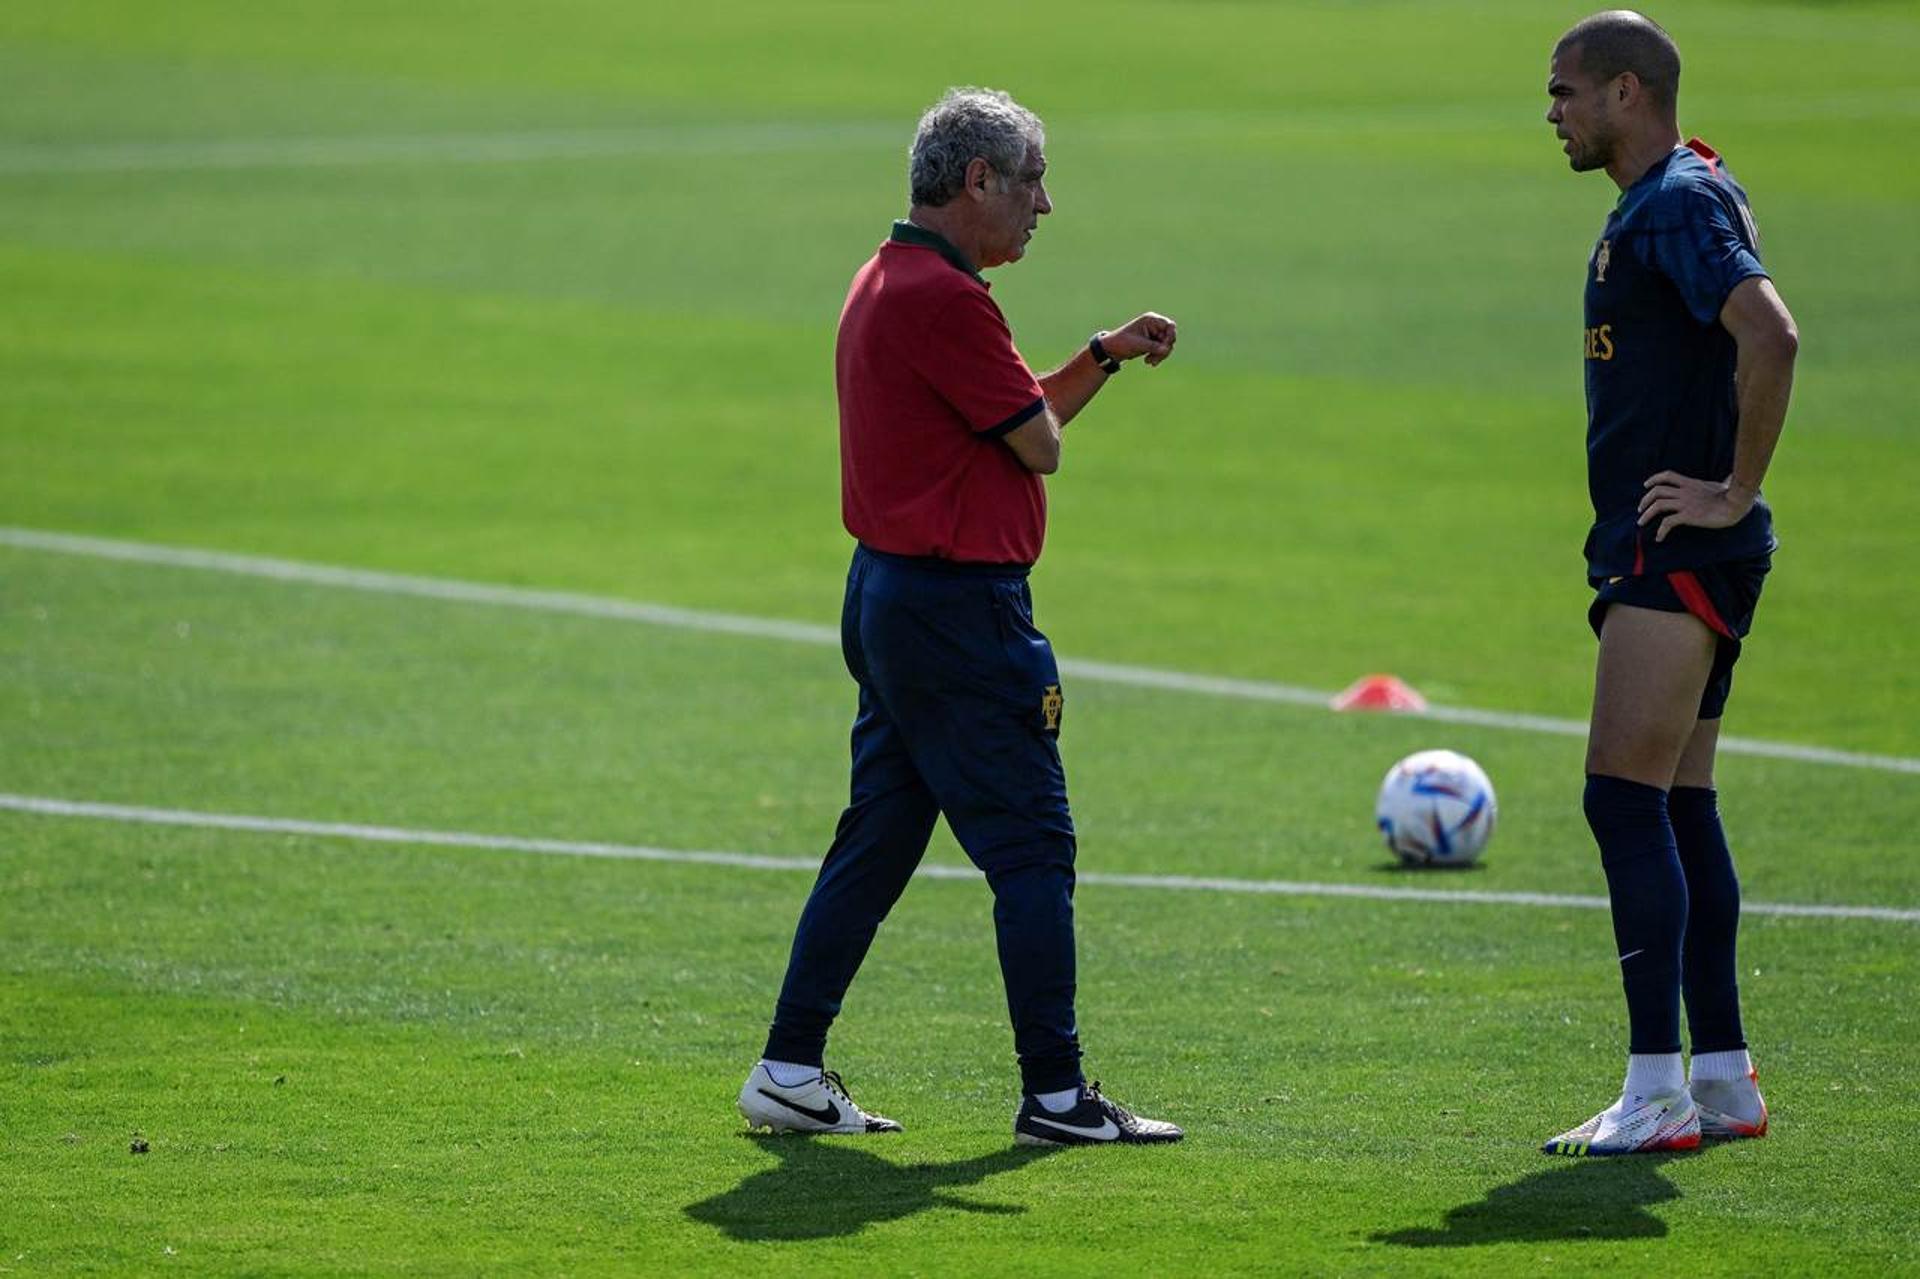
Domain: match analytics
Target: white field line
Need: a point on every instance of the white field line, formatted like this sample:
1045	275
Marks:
47	807
810	633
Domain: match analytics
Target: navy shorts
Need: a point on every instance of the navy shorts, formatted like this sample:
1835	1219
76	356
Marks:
1721	595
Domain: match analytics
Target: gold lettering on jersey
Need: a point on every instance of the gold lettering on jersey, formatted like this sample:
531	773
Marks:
1602	256
1600	342
1050	704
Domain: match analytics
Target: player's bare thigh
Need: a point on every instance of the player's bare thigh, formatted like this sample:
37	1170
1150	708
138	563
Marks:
1646	693
1696	761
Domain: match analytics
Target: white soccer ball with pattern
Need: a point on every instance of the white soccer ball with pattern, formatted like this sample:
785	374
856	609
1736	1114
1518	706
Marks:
1436	808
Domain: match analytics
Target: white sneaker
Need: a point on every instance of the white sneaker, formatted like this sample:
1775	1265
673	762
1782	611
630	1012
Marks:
1633	1126
1730	1107
820	1104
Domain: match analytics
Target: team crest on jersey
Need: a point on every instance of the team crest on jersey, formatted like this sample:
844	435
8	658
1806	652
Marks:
1050	704
1601	257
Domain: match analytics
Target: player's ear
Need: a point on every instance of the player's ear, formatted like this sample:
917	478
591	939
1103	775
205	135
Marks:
1626	87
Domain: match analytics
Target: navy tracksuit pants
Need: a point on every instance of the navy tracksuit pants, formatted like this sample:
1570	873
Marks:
959	711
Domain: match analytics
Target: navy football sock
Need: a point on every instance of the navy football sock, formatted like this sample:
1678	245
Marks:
1709	970
1648	891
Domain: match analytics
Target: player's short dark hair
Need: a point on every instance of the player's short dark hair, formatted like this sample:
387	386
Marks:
1622	40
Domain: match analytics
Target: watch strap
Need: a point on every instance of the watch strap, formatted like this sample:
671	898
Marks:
1101	356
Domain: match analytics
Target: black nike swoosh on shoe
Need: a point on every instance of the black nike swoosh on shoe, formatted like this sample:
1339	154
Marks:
829	1115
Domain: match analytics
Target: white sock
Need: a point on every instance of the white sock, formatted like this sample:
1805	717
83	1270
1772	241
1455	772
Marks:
1718	1066
789	1074
1653	1075
1059	1102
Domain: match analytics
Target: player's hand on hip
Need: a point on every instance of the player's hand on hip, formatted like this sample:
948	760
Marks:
1151	335
1675	499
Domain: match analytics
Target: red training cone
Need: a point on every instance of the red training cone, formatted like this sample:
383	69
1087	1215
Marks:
1379	693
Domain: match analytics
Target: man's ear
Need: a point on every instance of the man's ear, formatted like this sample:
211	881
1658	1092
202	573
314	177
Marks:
1626	88
979	177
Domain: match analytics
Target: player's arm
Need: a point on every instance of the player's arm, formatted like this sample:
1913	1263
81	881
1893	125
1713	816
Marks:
1764	333
1076	382
1036	441
967	356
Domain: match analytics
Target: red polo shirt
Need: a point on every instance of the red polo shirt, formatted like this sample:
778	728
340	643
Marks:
929	382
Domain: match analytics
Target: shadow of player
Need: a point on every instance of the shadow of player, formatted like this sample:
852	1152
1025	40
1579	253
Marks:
825	1188
1589	1199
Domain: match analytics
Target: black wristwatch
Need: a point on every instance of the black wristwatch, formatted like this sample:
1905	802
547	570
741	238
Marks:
1098	350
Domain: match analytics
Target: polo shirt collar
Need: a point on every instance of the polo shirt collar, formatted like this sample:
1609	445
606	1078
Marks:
905	232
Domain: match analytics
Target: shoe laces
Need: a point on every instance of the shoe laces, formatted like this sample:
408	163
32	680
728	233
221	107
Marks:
831	1078
1107	1104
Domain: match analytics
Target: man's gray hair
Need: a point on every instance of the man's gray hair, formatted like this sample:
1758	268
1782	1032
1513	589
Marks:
968	123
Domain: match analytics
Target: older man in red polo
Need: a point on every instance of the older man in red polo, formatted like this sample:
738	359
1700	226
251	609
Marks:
945	433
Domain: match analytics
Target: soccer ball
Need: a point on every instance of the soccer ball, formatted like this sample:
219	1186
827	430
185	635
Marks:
1436	808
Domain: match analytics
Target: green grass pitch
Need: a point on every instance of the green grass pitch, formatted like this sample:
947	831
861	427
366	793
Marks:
543	297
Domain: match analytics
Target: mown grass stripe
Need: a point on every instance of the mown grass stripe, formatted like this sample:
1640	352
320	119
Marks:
448	148
754	137
51	807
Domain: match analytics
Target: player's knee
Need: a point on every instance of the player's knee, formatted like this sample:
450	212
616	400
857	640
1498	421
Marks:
1033	876
1646	763
1695	808
1619	806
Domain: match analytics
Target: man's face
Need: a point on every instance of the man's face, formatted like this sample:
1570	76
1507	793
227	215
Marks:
1578	112
1012	209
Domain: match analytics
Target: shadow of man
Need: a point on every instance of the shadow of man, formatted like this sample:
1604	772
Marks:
1590	1199
824	1188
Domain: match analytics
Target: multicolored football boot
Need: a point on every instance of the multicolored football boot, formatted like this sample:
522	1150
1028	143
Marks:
1730	1108
1634	1126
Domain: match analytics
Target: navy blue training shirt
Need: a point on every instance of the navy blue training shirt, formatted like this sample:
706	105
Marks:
1660	392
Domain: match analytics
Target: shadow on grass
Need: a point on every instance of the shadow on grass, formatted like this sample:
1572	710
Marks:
1398	867
1587	1199
823	1188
